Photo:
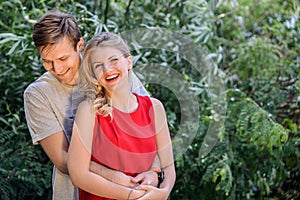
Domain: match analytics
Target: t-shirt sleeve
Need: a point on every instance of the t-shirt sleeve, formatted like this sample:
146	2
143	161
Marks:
41	119
136	85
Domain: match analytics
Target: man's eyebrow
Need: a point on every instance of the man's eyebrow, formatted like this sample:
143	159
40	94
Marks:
60	58
45	60
63	57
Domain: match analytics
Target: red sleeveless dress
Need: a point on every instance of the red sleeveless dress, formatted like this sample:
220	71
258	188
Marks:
126	142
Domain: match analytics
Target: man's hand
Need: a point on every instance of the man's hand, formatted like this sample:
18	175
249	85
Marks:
123	179
146	178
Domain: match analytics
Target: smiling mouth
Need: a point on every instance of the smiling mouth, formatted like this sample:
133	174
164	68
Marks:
112	77
62	74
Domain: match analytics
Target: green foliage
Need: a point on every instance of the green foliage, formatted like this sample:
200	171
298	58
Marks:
261	58
246	164
256	142
24	168
255	43
260	51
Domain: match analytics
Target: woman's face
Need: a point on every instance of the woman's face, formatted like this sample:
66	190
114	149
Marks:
110	67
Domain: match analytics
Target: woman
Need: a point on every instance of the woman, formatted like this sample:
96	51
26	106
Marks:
117	128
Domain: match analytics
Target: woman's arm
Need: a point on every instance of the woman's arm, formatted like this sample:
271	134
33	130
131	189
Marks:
79	157
164	148
165	153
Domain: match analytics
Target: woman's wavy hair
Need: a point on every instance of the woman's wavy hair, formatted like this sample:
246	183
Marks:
87	78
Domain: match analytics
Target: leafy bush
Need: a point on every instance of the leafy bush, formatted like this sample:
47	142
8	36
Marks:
254	46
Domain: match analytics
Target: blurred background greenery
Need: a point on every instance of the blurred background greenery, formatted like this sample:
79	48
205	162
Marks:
255	44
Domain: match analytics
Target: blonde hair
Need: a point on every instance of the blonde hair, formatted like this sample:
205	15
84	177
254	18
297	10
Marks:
87	78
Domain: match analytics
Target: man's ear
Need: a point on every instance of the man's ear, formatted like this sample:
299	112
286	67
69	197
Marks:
80	45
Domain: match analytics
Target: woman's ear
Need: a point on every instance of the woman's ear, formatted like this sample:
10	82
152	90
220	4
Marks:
80	45
130	63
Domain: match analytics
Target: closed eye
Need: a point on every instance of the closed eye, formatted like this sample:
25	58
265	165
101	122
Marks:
113	61
98	65
63	59
46	61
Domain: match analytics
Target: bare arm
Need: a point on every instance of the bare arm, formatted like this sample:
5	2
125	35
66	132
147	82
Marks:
169	181
42	122
165	153
164	147
111	175
56	147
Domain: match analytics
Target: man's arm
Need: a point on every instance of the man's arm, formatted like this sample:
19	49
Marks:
56	147
111	175
149	177
42	123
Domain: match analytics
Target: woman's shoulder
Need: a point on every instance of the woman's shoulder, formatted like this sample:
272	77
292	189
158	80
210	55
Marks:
86	103
155	101
157	104
86	108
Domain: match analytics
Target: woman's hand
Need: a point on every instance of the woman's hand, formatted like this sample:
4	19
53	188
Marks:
152	192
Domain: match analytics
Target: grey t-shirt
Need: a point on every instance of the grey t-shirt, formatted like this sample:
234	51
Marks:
50	108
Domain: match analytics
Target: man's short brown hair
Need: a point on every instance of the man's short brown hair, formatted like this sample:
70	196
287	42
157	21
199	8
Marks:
52	27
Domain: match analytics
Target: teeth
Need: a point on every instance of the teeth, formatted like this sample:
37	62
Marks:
112	77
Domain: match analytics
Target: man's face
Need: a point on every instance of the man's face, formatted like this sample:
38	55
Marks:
62	60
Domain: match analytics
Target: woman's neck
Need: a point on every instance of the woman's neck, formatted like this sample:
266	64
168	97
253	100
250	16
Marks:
124	101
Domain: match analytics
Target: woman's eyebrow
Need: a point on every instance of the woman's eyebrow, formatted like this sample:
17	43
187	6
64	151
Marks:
113	56
97	62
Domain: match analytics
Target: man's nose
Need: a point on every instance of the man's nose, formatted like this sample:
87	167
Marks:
57	68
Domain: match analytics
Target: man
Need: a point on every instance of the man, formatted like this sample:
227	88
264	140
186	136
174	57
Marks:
50	104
